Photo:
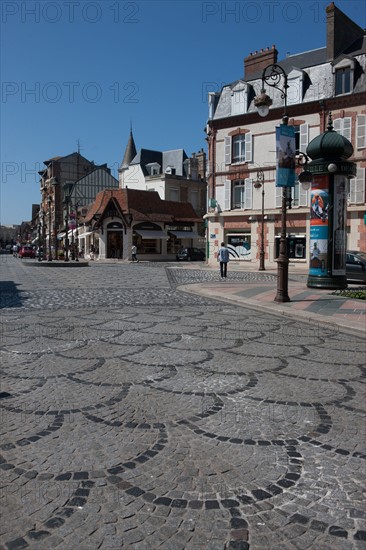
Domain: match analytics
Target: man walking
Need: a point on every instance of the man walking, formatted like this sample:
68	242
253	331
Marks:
223	258
134	252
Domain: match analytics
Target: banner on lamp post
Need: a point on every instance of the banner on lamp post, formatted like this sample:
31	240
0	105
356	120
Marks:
285	156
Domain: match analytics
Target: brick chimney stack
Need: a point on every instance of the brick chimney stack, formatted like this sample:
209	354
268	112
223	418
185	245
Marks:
257	61
342	32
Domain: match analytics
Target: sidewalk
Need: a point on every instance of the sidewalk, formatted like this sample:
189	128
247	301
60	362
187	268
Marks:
308	305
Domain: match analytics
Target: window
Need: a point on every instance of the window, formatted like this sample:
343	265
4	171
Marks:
238	194
295	87
343	126
301	137
361	131
343	72
299	196
174	195
239	99
289	191
343	81
194	198
238	148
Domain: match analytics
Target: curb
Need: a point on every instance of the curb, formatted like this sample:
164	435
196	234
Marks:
280	311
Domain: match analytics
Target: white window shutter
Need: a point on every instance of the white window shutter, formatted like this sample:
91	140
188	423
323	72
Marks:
303	196
337	125
347	128
227	150
304	137
357	187
278	197
238	102
361	131
227	195
248	147
248	194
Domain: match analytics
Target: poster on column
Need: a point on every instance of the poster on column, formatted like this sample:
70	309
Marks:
339	226
319	199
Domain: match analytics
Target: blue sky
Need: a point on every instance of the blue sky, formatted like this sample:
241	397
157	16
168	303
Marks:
82	71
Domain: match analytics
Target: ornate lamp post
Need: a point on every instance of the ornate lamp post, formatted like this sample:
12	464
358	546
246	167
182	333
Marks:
67	200
272	76
260	184
39	227
76	233
49	202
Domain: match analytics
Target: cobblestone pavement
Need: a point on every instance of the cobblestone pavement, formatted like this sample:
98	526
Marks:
137	416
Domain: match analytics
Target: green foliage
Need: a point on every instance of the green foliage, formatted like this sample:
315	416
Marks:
354	293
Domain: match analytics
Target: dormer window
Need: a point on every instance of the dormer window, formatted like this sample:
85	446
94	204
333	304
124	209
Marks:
153	168
343	76
239	99
343	81
295	87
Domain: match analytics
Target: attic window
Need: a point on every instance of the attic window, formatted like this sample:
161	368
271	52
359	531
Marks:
295	87
343	81
344	76
239	100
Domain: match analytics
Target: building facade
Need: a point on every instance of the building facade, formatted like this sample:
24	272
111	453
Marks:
174	175
121	218
68	184
242	145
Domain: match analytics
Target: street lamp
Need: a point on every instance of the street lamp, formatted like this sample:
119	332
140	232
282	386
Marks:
272	76
67	200
76	233
260	184
49	202
39	240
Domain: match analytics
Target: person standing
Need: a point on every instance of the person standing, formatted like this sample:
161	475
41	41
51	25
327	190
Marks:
134	253
223	258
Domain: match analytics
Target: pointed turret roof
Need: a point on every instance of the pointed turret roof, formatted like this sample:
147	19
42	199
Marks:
130	152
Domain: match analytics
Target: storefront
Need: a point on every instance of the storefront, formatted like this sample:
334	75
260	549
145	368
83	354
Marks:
148	238
239	245
296	247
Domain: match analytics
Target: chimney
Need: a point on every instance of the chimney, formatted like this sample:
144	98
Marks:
342	32
257	61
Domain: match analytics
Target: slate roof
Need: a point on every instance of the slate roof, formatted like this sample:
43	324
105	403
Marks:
299	61
130	152
143	206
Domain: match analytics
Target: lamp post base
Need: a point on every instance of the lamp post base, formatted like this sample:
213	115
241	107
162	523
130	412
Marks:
282	280
261	262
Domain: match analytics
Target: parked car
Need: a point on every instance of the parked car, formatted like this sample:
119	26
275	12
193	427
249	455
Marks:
189	254
356	266
27	251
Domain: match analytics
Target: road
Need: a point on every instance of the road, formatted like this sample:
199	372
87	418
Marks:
135	415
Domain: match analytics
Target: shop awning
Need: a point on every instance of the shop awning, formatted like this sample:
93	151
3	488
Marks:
186	234
61	236
81	235
145	234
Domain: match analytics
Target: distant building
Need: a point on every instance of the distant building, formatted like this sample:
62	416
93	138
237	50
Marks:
68	183
174	175
119	218
240	142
